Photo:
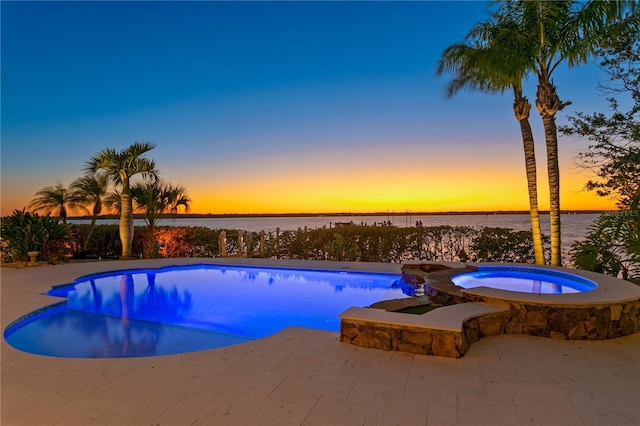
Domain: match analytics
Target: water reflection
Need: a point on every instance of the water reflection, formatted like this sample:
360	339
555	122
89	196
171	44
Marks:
136	296
153	312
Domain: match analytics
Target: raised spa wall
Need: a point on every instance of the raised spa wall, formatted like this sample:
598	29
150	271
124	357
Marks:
612	310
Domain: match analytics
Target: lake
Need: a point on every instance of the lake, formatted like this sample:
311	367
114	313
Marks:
574	225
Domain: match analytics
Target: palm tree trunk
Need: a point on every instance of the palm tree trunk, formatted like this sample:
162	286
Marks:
91	228
548	104
551	138
532	185
126	225
521	108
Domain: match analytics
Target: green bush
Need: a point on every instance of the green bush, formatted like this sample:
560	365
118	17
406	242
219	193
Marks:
393	244
98	241
23	232
194	241
362	243
502	245
612	246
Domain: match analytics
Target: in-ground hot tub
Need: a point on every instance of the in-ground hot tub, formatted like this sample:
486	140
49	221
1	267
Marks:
546	301
472	301
524	280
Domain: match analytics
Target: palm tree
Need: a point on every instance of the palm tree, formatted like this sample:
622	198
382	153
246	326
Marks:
487	62
54	198
113	202
557	32
120	167
91	189
154	198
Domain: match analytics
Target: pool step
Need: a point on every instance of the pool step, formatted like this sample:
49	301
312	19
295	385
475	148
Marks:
446	331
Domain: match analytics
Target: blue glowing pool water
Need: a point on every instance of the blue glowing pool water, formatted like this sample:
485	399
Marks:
184	309
524	280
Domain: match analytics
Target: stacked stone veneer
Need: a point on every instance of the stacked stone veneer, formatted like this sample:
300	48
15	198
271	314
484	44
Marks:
591	321
493	316
422	340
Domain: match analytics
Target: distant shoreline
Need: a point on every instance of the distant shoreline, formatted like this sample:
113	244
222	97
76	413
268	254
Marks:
343	214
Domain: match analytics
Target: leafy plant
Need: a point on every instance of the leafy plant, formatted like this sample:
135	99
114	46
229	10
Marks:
23	232
502	245
612	246
93	242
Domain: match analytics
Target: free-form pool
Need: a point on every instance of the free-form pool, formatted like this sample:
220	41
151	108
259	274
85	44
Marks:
183	309
525	280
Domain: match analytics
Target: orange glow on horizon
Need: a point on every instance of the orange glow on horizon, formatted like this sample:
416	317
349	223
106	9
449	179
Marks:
337	182
418	191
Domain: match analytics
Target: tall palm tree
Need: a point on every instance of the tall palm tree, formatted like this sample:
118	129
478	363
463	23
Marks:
55	198
558	32
120	167
153	198
486	62
91	189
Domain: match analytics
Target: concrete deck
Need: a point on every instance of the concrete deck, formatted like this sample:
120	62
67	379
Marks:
307	377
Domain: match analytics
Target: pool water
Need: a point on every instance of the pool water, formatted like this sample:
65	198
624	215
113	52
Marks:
524	280
184	309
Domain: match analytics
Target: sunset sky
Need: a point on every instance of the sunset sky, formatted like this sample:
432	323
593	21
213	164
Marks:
263	107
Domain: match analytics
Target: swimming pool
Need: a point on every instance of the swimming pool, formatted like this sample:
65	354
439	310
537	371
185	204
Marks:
524	280
145	312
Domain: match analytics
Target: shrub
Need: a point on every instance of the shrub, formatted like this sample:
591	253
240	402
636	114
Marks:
612	246
502	245
93	242
23	232
362	243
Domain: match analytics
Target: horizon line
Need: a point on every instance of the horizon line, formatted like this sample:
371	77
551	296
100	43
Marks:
347	214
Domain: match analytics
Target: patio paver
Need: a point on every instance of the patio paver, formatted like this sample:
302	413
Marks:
307	377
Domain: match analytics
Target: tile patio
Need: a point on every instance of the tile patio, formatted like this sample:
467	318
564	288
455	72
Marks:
307	377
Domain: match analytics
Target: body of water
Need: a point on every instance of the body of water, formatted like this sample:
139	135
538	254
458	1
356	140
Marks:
574	226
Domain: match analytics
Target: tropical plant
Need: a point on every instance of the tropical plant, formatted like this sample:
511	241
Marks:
23	232
612	246
120	167
91	189
55	198
489	61
113	202
154	198
555	33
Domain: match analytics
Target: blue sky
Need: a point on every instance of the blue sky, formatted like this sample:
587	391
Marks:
268	106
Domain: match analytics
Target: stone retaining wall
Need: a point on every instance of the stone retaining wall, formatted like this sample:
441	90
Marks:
422	340
591	321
